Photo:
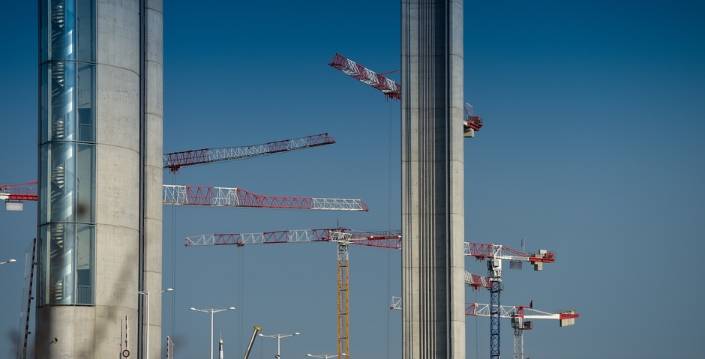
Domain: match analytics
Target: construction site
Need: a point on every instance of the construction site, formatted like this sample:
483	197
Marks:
244	183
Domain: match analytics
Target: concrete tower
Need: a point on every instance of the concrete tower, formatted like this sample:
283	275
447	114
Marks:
100	151
432	179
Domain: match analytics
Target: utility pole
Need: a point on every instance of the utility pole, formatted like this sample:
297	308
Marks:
146	299
279	338
212	312
324	356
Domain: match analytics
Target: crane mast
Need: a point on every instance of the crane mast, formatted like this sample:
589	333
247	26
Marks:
495	254
343	302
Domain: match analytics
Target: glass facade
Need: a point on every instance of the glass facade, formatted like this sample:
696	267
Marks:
67	152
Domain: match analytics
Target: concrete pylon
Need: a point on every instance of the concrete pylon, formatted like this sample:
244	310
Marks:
432	179
100	178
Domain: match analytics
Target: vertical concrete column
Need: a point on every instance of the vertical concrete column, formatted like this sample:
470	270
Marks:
117	175
153	171
432	179
89	323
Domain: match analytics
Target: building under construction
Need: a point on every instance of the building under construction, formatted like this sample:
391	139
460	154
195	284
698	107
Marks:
100	187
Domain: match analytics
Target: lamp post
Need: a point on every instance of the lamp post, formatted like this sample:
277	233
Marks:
279	338
146	299
212	312
324	356
11	260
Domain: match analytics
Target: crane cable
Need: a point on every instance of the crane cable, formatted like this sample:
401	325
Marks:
477	330
241	298
172	253
389	216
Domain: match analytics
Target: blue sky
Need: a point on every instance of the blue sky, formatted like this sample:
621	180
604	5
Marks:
592	147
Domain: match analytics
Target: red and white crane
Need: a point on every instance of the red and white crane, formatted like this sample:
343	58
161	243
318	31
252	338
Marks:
210	196
392	89
15	194
342	237
522	317
175	160
495	254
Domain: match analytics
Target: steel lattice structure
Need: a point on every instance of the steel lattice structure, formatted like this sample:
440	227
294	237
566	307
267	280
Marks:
389	87
495	289
502	252
342	237
187	195
521	317
390	240
238	197
176	160
392	89
494	254
477	281
521	311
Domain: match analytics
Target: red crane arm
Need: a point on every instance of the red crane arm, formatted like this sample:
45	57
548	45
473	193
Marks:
489	250
26	191
361	73
392	89
215	197
176	160
477	281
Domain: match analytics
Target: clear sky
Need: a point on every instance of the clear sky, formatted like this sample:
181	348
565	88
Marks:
593	147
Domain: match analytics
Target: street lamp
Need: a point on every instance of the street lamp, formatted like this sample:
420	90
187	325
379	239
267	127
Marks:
11	260
146	299
279	338
325	356
212	312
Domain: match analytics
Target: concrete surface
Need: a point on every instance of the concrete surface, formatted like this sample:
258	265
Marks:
432	179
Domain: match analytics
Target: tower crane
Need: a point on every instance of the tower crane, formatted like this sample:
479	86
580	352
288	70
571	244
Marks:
189	195
175	160
522	317
212	196
495	254
15	194
392	90
342	237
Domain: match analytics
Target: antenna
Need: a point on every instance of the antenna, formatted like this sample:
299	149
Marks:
124	351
